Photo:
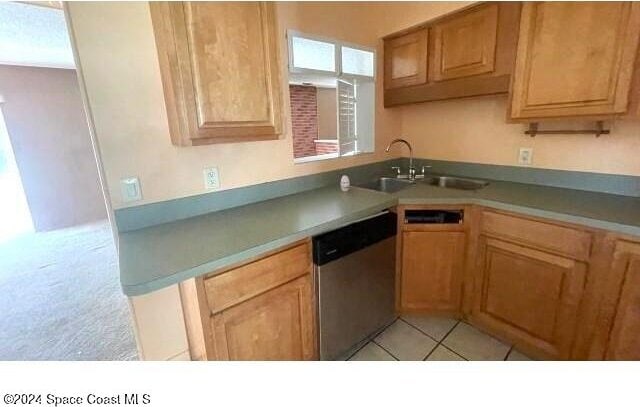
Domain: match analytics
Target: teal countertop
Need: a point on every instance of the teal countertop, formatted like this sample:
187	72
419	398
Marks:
159	256
605	211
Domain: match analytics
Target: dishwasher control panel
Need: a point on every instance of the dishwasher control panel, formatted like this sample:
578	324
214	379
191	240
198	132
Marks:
351	238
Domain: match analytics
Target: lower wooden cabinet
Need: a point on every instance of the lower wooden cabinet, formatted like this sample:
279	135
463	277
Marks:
617	335
554	290
432	270
261	310
527	296
277	325
431	259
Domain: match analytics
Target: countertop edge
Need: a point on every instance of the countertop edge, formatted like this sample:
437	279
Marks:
212	266
527	210
247	254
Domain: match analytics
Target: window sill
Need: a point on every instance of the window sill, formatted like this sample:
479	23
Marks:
321	157
312	158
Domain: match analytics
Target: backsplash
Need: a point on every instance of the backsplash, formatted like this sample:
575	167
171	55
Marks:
626	185
138	217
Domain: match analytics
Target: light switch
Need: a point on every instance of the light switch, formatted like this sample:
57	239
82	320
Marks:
211	178
130	188
525	156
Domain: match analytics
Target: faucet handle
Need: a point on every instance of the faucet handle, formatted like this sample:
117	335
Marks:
397	170
422	173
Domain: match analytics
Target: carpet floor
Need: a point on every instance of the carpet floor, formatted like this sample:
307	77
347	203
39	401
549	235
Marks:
60	297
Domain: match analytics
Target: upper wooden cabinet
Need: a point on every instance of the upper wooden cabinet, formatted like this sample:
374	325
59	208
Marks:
220	70
405	60
465	45
470	52
575	59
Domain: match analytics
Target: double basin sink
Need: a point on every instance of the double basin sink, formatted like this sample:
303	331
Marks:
391	185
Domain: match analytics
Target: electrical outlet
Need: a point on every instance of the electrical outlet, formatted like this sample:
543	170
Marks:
211	178
130	189
525	156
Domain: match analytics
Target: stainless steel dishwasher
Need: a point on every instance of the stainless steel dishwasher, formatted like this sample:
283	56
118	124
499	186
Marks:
355	274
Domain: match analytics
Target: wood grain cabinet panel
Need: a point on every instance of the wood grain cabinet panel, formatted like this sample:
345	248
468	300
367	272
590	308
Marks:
277	325
220	70
432	270
563	240
575	59
617	335
405	59
469	52
262	310
227	289
529	297
465	45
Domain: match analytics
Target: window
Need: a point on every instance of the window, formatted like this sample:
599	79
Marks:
313	55
357	61
332	92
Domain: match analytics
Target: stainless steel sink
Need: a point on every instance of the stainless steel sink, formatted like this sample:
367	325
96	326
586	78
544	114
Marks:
455	182
387	184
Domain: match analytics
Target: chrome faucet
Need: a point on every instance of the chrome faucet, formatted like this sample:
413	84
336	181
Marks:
412	170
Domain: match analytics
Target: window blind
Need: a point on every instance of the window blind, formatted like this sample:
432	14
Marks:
347	131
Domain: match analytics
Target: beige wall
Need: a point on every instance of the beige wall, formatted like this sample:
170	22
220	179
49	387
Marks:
50	138
118	57
159	325
474	130
327	114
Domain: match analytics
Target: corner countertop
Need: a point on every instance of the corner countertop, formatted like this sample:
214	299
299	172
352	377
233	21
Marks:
615	213
159	256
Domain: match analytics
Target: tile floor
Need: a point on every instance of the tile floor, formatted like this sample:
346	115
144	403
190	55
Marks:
435	339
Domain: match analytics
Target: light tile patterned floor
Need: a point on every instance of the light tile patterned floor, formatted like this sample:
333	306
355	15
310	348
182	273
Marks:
435	339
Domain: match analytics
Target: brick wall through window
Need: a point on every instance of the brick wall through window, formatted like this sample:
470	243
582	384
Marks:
304	119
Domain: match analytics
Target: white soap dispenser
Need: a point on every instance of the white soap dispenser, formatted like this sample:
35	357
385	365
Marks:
345	183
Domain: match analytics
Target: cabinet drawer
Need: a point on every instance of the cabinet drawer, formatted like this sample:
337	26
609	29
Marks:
240	284
570	242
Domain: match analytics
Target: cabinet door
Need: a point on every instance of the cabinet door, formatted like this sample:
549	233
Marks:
432	270
276	325
529	297
465	45
405	60
220	70
575	58
621	309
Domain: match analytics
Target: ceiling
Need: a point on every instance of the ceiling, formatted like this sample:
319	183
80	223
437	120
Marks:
34	35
